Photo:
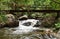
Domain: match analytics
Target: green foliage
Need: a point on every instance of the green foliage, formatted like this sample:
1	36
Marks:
3	18
57	25
50	15
5	4
42	4
55	5
25	2
37	15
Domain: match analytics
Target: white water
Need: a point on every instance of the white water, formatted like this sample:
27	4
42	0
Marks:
24	29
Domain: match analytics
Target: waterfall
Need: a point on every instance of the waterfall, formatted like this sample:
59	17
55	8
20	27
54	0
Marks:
26	26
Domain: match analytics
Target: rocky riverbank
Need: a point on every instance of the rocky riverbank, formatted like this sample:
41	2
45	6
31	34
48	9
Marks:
9	22
47	20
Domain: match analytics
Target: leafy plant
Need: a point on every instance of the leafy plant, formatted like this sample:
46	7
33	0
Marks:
57	25
3	18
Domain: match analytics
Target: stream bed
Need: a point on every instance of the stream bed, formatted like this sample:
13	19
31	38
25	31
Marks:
26	30
38	34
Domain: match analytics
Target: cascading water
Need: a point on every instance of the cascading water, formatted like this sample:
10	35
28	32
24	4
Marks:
26	26
27	30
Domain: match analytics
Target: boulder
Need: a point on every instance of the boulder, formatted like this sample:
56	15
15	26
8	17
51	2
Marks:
11	21
24	17
49	20
12	24
10	18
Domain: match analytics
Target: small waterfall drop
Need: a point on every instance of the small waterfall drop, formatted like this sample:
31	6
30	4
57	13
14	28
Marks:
28	30
26	26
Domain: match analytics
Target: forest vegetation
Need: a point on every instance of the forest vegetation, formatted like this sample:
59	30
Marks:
48	19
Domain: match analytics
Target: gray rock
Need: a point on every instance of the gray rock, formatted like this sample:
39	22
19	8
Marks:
11	22
23	17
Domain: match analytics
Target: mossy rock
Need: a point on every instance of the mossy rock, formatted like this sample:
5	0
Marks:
8	21
49	19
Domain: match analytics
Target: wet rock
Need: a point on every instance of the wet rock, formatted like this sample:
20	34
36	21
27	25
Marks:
11	21
27	24
12	24
48	31
49	20
58	34
23	17
10	18
2	24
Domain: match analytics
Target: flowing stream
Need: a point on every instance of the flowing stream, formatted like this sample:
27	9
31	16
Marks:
26	30
26	26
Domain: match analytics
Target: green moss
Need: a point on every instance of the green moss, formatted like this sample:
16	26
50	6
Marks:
3	18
